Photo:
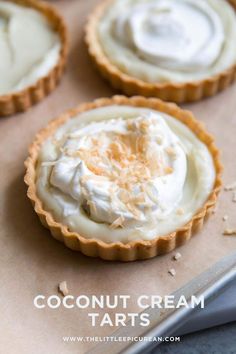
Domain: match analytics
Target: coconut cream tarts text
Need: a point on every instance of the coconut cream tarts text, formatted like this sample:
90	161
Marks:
169	41
29	47
123	173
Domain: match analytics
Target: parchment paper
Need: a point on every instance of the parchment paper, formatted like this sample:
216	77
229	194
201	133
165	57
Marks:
33	263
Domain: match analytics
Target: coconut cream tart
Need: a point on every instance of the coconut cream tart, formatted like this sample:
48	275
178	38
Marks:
177	50
123	178
33	49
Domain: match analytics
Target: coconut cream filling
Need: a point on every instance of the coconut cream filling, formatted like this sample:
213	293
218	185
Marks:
29	47
165	40
121	173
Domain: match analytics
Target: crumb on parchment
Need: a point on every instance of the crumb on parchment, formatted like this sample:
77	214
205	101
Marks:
172	272
229	232
177	256
230	187
63	289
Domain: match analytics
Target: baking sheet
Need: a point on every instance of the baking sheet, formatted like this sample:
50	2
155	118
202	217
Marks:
33	263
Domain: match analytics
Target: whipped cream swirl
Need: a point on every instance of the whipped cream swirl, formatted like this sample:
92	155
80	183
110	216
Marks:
131	169
183	35
29	47
174	38
120	173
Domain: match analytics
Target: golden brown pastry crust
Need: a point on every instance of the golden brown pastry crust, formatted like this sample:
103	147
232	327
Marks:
136	249
24	99
171	91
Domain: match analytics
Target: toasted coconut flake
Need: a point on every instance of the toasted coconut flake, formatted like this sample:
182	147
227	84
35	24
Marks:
139	199
130	125
95	169
159	139
168	170
124	196
144	125
63	289
229	232
118	222
92	207
171	152
180	211
172	272
136	213
177	256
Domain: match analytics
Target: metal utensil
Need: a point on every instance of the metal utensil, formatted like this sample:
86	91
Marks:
164	322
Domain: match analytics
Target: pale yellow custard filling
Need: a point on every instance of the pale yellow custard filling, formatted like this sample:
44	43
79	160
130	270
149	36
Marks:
121	173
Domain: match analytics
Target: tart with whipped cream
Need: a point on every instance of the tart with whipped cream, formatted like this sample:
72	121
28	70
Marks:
33	50
175	50
123	178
